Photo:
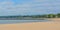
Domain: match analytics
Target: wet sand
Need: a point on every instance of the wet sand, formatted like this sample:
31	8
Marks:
32	26
54	19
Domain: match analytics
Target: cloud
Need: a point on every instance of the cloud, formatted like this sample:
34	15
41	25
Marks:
9	7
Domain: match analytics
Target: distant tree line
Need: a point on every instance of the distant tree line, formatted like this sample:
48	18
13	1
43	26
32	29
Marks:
35	16
48	16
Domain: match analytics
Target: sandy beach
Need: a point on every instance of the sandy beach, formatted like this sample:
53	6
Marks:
51	25
31	26
54	19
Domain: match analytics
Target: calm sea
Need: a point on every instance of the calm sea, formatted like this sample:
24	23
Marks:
20	21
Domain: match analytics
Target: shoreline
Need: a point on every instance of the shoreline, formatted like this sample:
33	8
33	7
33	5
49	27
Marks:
31	26
51	25
30	19
53	19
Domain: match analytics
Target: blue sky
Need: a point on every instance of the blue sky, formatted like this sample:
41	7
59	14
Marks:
29	7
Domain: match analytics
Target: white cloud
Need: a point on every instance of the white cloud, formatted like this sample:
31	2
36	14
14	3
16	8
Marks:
8	7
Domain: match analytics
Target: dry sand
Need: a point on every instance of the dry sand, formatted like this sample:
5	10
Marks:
53	25
31	26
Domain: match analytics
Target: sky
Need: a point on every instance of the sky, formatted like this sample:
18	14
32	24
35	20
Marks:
29	7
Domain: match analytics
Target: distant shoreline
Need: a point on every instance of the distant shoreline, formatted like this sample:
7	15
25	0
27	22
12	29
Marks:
22	18
29	18
54	19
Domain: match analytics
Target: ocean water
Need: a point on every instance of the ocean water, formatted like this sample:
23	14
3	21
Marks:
20	21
